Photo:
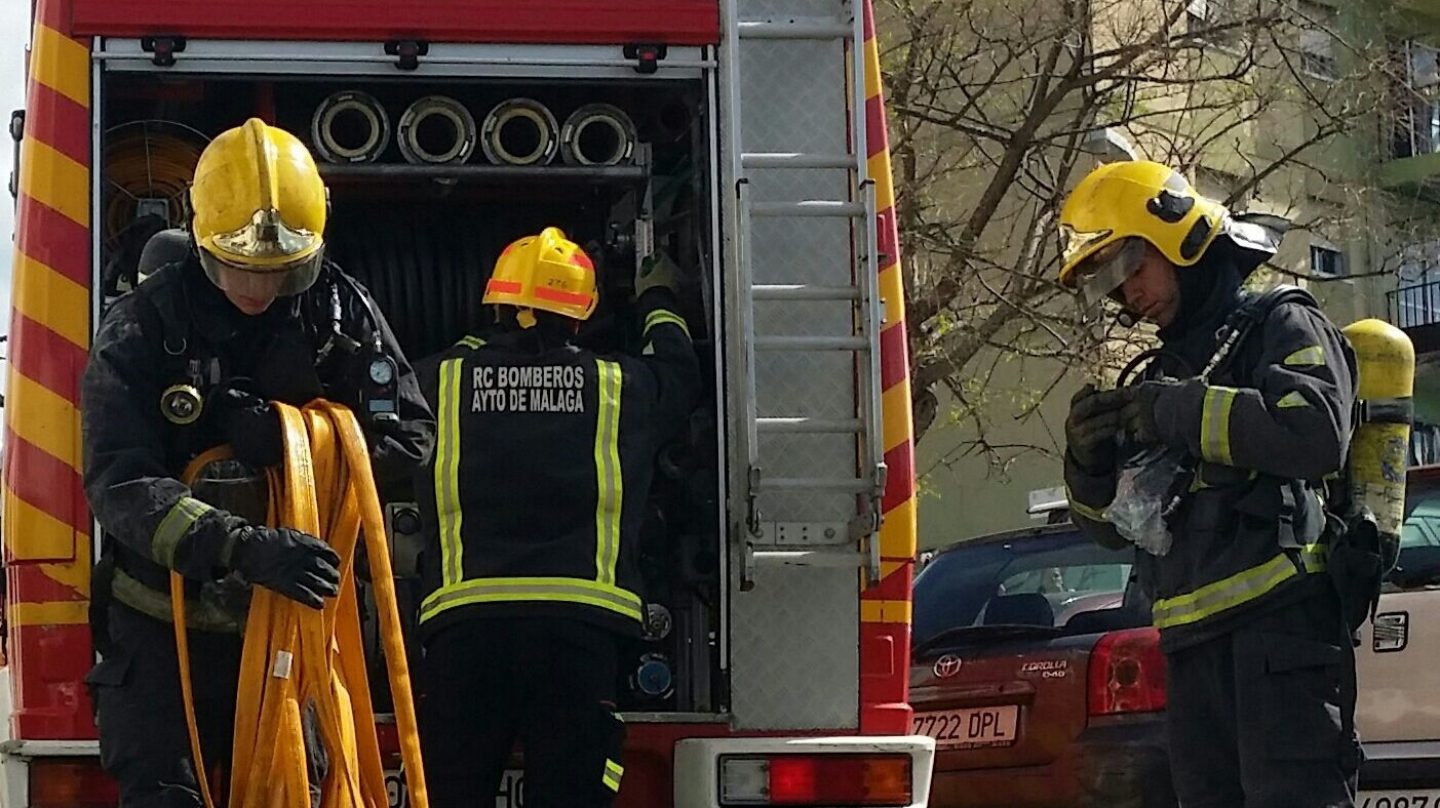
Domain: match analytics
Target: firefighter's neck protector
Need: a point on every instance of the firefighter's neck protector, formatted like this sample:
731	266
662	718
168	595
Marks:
548	272
1120	204
259	206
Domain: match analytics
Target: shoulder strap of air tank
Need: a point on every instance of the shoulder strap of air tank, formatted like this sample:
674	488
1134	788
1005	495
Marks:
1242	322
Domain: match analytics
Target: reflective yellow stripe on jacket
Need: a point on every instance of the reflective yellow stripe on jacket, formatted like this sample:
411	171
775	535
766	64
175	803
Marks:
660	316
610	485
1236	590
447	472
531	590
613	772
1093	514
1215	425
177	522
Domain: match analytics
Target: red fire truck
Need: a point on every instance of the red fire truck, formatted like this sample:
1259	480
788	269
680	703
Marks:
745	138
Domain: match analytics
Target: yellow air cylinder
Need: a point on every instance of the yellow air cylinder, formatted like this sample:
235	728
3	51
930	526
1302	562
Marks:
1380	446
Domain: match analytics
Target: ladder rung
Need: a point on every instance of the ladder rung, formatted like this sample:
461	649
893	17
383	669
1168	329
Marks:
796	160
811	207
812	343
810	558
851	486
803	291
809	426
797	28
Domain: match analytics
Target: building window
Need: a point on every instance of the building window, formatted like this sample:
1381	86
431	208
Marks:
1203	17
1196	15
1326	262
1417	129
1317	54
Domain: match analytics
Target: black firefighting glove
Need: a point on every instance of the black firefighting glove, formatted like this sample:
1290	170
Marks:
1091	427
294	564
251	426
1137	419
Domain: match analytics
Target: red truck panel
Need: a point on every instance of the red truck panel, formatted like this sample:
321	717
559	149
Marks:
679	22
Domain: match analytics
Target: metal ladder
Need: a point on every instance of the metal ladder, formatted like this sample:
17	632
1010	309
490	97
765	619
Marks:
781	528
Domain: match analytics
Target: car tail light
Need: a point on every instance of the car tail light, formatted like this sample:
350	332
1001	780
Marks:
71	784
815	780
1127	673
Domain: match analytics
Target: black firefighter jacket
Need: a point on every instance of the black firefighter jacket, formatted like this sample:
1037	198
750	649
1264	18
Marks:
1265	432
178	328
543	461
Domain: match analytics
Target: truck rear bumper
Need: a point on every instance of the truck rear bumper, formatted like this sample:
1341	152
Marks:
15	758
1405	764
698	778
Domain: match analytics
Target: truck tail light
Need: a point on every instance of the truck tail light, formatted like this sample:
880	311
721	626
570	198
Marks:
71	783
1127	673
832	780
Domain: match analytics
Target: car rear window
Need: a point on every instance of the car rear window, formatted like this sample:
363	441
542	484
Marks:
1422	518
1043	579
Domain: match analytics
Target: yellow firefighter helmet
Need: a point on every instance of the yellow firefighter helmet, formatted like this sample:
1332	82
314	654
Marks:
260	206
547	272
1120	204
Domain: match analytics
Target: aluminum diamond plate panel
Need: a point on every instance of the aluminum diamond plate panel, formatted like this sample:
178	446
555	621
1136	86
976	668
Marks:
796	661
794	96
761	9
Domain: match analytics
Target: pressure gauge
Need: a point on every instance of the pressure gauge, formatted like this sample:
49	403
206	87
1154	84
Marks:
382	371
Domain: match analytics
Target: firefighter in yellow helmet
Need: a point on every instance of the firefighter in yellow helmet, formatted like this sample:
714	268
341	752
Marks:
1250	403
249	313
532	509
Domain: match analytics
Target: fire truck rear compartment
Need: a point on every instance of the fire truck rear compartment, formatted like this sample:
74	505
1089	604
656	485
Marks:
423	236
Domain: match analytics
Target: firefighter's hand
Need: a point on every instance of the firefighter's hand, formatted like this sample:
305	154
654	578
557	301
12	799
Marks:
656	271
1138	418
1091	427
294	564
251	426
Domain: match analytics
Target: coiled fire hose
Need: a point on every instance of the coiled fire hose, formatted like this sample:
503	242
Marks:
597	135
350	127
436	130
520	132
149	163
296	658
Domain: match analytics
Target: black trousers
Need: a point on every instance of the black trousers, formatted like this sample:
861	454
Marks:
144	742
549	682
1264	717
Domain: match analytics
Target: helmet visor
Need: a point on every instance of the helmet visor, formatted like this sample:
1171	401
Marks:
286	279
1102	273
266	239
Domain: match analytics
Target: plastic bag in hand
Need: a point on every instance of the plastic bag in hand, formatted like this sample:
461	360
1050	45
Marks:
1143	492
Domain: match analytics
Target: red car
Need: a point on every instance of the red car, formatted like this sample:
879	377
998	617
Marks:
1037	673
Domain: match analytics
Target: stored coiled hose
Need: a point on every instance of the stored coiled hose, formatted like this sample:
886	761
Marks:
296	658
148	165
520	132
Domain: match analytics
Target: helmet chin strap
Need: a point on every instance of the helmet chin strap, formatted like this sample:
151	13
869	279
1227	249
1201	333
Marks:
525	317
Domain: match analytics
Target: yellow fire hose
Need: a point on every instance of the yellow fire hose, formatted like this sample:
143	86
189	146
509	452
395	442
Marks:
295	657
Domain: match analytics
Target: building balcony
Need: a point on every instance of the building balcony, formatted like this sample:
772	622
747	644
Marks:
1416	310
